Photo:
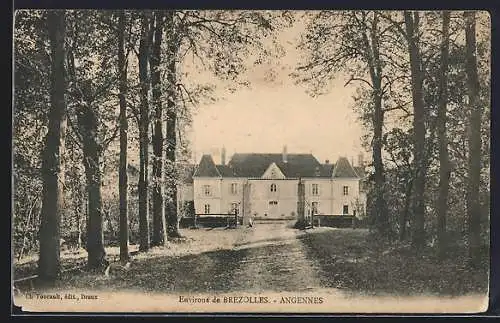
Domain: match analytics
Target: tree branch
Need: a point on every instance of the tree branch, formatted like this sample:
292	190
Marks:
352	78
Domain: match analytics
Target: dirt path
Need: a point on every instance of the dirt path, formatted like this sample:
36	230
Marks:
274	259
267	257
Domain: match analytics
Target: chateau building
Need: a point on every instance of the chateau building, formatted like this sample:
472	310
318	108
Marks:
266	186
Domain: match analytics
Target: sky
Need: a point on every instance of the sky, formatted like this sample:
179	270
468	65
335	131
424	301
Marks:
275	112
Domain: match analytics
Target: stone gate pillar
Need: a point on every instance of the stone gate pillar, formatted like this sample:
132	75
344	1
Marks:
301	194
246	202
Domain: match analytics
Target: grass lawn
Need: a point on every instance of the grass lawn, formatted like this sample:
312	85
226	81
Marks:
352	260
178	254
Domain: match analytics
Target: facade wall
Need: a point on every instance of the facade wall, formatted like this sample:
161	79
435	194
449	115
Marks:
268	203
340	199
273	204
324	197
228	197
213	199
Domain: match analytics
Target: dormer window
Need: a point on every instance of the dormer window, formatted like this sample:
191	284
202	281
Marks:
273	187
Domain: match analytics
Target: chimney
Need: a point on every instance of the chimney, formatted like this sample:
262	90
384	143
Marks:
285	154
360	160
223	156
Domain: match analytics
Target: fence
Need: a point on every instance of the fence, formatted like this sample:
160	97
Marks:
211	220
335	220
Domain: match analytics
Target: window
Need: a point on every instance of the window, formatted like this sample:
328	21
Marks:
273	187
346	190
315	189
206	189
273	202
234	188
345	209
207	208
235	208
314	207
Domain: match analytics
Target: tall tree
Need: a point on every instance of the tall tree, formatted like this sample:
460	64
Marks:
159	233
474	139
171	130
144	52
444	163
92	74
53	165
92	151
123	176
31	106
412	22
371	42
361	45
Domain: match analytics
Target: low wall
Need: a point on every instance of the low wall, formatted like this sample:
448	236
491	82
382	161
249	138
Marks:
336	221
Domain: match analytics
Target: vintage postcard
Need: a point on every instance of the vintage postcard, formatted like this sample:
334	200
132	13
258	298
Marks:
251	161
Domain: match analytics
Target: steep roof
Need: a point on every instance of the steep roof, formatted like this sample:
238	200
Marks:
254	165
207	168
344	169
297	165
225	171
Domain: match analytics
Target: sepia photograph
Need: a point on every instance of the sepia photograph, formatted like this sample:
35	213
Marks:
250	161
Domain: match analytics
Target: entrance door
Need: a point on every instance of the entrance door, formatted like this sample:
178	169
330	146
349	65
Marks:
273	209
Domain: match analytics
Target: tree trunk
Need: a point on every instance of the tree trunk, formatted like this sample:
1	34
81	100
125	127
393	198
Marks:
301	218
171	214
110	228
404	215
444	167
381	217
88	124
123	176
84	212
159	233
143	136
375	68
412	25
474	134
78	210
53	166
95	238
